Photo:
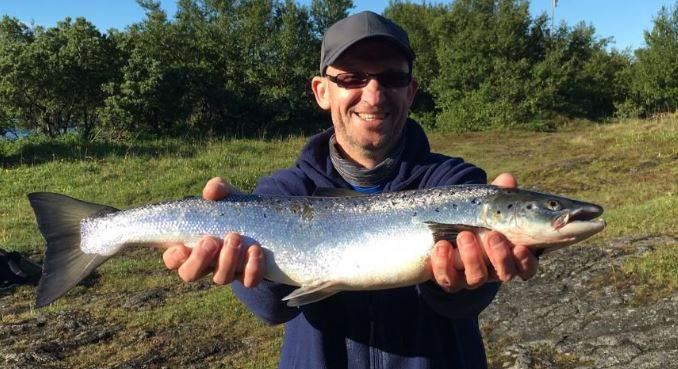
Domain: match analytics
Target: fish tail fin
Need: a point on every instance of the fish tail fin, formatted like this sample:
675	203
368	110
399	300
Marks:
65	264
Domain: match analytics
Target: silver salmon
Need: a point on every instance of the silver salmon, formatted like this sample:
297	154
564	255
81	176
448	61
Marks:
323	244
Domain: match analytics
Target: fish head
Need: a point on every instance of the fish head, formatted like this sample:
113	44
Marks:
542	221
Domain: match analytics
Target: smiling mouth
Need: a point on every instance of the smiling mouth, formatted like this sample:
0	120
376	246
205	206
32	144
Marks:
371	116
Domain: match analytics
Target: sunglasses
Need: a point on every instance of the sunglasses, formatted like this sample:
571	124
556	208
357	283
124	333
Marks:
388	79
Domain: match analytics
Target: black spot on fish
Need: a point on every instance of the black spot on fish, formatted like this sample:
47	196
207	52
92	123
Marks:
510	206
498	212
437	210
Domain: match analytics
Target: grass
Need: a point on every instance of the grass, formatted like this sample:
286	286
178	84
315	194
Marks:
630	168
656	271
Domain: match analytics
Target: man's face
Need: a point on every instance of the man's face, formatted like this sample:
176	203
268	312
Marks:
368	120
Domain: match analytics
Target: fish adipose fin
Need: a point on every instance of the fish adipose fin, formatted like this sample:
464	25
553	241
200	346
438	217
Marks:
65	265
336	192
308	294
449	232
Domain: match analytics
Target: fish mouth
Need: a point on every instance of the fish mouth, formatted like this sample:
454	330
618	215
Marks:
580	223
587	213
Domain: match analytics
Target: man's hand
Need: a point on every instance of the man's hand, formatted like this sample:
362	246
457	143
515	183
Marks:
479	259
228	259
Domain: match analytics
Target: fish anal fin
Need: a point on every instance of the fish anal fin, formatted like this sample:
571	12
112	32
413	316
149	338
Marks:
449	232
336	192
310	293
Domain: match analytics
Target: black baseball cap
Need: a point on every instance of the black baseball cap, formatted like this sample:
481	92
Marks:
357	27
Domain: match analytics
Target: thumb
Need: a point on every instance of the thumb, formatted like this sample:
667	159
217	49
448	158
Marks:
505	180
215	189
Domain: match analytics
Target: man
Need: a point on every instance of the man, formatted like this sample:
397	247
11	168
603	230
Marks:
365	83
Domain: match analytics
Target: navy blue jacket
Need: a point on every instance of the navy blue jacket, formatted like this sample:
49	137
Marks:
411	327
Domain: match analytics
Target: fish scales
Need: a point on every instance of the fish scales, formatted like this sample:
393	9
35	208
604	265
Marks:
322	244
304	237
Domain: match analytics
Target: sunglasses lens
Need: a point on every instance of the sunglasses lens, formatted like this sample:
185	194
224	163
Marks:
351	80
359	80
394	79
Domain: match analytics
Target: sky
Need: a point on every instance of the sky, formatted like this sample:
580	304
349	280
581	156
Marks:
623	20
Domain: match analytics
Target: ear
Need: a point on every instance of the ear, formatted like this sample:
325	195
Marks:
412	90
320	89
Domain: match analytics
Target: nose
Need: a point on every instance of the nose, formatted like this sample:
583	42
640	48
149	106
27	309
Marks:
373	92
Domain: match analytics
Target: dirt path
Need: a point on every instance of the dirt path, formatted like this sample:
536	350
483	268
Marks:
582	312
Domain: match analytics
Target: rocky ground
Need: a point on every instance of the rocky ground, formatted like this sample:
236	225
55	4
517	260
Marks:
581	311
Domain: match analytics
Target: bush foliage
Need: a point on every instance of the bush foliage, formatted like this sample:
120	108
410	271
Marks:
243	68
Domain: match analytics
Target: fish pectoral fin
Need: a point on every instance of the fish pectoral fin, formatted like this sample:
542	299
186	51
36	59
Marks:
310	293
336	192
449	232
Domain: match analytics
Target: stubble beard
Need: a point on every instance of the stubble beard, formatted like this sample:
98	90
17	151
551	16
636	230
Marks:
375	151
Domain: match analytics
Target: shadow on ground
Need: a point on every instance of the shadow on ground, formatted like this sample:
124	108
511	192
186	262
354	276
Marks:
42	151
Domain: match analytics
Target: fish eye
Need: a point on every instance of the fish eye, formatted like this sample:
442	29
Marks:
553	205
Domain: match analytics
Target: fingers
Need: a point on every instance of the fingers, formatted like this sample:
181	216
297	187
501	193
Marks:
215	189
527	264
478	260
253	272
230	258
472	257
505	180
227	258
198	262
175	255
444	270
499	250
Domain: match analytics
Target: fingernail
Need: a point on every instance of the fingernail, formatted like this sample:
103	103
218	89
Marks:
233	242
209	245
441	251
465	240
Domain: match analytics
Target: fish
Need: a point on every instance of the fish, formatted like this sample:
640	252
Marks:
336	240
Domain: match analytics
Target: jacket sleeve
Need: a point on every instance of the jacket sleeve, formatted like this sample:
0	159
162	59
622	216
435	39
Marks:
264	300
465	303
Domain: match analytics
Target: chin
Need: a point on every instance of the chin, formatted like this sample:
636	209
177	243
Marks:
374	144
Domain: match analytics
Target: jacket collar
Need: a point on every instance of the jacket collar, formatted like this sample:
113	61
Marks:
315	161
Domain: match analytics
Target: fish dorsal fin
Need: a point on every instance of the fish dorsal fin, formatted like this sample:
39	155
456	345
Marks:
310	293
336	192
449	232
